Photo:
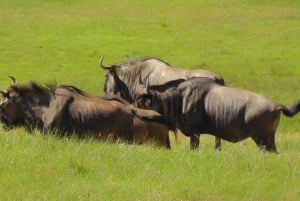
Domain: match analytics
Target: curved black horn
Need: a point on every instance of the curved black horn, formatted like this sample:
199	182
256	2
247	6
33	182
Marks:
101	64
13	79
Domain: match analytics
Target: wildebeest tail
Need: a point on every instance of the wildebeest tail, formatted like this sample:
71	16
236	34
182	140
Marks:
152	116
292	110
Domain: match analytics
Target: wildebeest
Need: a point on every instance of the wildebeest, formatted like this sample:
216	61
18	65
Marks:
200	105
68	110
124	79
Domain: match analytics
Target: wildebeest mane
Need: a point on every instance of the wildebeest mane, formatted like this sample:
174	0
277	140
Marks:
133	61
32	87
149	58
74	90
36	88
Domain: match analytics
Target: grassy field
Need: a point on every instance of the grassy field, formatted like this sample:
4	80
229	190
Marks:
253	44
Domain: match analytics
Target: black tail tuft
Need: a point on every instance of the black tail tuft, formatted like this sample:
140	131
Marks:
294	109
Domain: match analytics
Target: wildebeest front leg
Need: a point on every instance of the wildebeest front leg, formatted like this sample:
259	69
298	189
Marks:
194	141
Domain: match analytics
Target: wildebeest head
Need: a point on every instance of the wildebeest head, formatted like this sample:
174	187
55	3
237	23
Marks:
10	106
146	95
113	84
17	104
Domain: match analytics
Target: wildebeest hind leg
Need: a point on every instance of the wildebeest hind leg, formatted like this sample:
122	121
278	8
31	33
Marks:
194	141
270	143
266	143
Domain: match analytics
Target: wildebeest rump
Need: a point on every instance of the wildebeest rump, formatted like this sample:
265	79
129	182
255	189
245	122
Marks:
200	106
68	110
124	79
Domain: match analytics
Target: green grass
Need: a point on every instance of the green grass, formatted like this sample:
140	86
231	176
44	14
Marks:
253	44
36	167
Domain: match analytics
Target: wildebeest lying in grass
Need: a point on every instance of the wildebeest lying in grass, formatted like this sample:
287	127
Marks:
200	106
67	110
124	79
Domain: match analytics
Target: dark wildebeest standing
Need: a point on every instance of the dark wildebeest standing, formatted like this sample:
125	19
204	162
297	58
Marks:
124	79
200	106
67	110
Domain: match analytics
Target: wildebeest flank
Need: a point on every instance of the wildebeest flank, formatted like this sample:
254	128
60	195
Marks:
124	79
200	105
68	110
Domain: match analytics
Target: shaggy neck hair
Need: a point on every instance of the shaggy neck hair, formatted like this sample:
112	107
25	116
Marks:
32	87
